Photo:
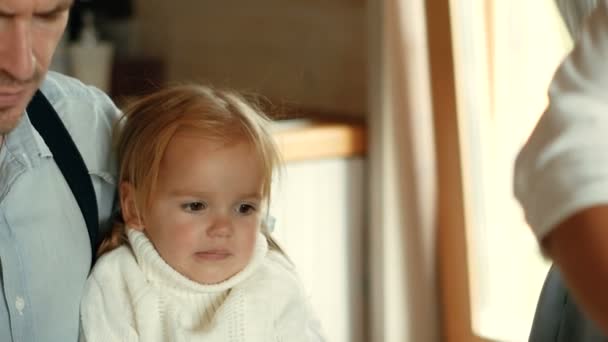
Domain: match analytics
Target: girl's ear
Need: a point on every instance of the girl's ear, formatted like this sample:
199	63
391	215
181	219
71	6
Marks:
128	207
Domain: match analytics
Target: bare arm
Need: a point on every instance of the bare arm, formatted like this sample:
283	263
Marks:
579	246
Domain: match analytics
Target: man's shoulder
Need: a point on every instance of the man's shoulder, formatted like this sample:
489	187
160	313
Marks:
89	116
57	86
62	91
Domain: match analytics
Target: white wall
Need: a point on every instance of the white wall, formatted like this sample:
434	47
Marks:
320	208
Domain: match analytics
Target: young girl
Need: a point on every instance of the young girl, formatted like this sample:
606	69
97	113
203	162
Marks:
194	260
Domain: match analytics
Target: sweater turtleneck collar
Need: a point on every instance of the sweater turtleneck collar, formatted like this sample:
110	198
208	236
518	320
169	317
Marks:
157	271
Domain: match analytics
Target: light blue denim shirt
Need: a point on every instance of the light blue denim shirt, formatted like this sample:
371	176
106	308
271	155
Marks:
44	245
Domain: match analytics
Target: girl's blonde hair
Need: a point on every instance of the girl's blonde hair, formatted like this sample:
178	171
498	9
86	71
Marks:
148	124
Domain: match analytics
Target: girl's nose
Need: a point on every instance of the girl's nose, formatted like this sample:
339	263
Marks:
220	228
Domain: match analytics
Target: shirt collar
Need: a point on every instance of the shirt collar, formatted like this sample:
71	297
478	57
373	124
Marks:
25	144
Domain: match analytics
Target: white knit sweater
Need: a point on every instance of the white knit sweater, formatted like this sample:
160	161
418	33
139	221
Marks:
134	295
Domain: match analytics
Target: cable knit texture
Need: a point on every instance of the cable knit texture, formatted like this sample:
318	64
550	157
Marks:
134	295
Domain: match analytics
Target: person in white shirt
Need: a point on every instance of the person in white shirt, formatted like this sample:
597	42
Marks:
561	174
193	259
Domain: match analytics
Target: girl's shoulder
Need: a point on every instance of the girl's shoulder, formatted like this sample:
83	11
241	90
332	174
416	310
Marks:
276	265
117	266
276	275
278	260
118	256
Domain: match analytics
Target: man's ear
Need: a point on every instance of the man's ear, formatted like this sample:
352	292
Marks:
128	207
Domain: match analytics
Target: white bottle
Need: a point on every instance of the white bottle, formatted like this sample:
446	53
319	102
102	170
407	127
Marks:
90	58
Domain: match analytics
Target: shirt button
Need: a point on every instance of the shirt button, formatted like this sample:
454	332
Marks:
20	304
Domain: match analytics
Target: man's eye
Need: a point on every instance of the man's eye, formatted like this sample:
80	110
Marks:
48	16
51	16
195	206
245	209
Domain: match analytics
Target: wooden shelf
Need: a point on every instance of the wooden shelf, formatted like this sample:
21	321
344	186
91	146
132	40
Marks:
321	140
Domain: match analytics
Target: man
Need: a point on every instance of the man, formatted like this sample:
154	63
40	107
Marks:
45	253
561	175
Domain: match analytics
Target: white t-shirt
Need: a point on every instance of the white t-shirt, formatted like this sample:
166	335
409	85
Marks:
563	168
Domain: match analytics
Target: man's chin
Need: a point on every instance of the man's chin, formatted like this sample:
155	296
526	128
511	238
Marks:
12	109
11	116
9	119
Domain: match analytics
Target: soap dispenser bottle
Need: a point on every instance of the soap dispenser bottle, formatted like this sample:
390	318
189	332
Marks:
91	58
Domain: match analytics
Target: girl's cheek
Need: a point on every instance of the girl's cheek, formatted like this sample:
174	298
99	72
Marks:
188	230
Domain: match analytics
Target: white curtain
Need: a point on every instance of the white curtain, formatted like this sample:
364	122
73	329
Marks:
404	304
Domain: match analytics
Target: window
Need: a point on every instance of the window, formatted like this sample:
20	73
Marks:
505	54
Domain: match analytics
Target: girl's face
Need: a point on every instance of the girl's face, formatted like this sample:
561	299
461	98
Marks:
205	214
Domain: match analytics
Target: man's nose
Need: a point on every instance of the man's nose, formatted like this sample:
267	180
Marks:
16	50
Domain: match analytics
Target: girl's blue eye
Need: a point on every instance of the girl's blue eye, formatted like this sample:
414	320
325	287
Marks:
245	209
195	206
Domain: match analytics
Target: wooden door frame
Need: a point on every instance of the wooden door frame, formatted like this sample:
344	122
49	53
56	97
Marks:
452	254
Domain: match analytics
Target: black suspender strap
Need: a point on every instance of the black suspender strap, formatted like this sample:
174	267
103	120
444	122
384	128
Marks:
45	120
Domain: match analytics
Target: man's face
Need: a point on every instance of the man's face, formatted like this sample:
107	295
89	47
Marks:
29	33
